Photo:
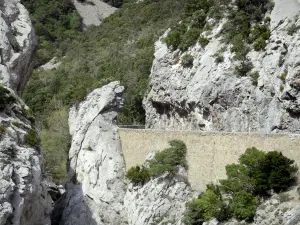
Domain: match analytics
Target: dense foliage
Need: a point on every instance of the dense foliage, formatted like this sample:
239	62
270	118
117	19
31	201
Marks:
56	22
5	97
169	159
258	172
138	175
207	206
164	161
253	177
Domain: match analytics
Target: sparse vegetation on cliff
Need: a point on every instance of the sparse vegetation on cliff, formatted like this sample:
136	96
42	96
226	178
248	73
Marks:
253	177
243	18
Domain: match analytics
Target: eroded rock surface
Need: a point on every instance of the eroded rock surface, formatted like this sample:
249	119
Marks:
96	187
209	96
23	195
17	45
160	201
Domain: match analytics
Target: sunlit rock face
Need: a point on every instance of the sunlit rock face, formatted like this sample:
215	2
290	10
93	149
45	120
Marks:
17	45
209	96
23	196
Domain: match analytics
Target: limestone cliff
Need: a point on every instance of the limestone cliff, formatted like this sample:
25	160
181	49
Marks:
97	191
209	96
23	196
96	174
17	45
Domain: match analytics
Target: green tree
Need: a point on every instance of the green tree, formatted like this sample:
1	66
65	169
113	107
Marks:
244	205
169	159
208	205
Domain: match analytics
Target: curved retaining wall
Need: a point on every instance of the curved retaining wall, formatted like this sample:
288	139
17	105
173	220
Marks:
208	152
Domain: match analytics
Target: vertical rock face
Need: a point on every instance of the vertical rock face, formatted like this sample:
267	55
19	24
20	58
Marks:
96	187
23	196
209	96
17	45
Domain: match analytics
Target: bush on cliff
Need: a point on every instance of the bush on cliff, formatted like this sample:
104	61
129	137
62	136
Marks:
6	97
254	176
138	175
258	172
167	160
244	205
207	206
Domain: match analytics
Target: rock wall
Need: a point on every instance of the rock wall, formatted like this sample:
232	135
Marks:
17	45
23	196
210	97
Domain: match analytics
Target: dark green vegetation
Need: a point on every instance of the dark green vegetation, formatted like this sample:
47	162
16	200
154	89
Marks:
239	195
187	60
208	205
138	175
3	129
164	161
254	78
238	31
121	48
32	138
6	97
56	23
187	33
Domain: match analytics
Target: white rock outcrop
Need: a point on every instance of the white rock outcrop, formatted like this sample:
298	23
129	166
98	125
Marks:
23	196
209	96
17	45
160	201
93	12
96	187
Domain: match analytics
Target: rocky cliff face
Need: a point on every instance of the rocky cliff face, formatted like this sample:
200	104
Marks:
17	45
96	175
209	96
23	196
97	192
24	199
160	201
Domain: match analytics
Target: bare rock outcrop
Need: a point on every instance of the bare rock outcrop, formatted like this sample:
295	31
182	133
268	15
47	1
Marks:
93	12
23	195
17	45
159	201
209	96
96	187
